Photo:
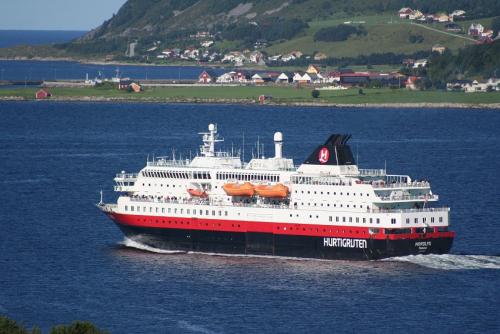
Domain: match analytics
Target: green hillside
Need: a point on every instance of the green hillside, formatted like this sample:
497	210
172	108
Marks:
285	25
385	33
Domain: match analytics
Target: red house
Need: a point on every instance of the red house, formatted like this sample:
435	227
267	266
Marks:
207	77
42	94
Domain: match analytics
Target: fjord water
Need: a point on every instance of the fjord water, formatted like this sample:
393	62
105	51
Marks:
33	70
62	260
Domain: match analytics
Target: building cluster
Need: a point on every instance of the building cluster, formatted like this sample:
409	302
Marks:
475	30
416	15
475	86
311	76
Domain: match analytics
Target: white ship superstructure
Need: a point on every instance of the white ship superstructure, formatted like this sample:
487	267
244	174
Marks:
324	208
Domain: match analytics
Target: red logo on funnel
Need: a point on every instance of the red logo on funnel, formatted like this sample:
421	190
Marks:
323	155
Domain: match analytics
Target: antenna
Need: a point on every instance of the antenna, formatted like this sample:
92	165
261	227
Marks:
357	154
243	149
385	166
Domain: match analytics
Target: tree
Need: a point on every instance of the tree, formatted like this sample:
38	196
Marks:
495	26
9	326
360	92
315	93
78	327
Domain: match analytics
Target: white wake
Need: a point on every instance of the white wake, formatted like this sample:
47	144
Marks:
137	245
451	261
433	261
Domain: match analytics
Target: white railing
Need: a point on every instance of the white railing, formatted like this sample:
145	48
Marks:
169	163
126	176
372	172
381	185
441	209
410	198
206	202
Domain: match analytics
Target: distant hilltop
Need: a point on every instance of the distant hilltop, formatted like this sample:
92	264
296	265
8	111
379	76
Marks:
144	28
278	33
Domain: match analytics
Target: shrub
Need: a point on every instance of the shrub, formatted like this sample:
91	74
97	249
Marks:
338	33
315	93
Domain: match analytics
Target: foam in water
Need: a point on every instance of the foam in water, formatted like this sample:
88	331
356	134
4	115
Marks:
434	261
134	244
451	261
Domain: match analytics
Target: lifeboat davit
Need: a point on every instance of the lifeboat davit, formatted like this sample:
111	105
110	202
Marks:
276	191
236	189
197	192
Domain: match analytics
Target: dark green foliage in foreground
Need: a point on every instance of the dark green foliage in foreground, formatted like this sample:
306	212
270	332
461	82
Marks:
77	327
338	33
315	93
8	326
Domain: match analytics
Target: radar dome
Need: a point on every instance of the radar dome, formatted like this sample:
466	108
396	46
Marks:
278	136
211	127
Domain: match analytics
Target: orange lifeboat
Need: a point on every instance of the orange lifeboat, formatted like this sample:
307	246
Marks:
236	189
197	192
276	191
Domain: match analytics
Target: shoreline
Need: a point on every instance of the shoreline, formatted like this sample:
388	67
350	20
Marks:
426	105
122	63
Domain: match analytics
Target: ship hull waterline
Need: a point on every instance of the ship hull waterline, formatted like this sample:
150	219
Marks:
272	244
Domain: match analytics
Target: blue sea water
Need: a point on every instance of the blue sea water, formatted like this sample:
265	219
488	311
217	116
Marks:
10	38
62	260
20	70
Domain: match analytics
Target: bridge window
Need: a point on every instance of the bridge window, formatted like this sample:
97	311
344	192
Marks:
378	220
393	220
407	220
432	219
126	208
416	220
440	219
330	218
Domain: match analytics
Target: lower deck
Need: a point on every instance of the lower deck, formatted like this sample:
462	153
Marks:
230	237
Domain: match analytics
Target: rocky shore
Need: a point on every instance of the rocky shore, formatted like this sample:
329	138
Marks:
254	102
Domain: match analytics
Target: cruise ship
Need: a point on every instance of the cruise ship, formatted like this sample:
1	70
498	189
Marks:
324	208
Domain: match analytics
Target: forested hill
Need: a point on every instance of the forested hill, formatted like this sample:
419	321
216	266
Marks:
152	17
245	20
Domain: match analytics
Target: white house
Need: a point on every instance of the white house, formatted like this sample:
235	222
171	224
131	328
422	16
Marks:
476	29
475	86
207	44
299	77
420	63
283	78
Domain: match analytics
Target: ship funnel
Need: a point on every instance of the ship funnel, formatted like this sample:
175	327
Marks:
278	145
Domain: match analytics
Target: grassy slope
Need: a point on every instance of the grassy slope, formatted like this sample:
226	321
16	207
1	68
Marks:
386	33
279	94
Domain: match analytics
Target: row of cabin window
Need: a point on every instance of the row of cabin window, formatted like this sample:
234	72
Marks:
328	193
334	205
345	219
175	210
308	180
126	184
177	174
424	220
247	177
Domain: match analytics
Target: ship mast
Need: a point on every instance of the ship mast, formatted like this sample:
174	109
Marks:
209	140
